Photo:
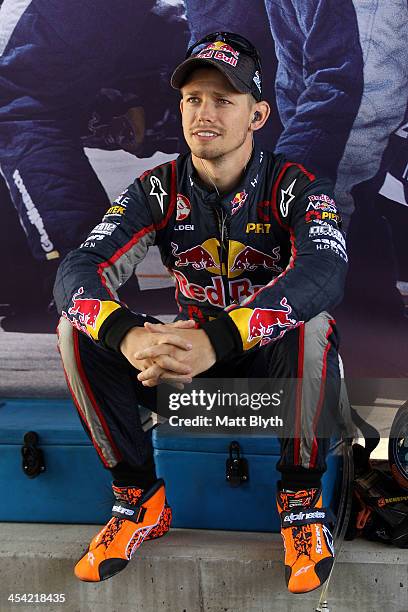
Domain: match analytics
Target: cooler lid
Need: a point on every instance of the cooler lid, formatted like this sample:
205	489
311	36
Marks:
55	421
164	438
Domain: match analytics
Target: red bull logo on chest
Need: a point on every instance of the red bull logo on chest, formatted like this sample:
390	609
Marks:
250	259
198	257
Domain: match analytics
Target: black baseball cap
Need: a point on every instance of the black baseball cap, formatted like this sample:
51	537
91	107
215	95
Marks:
232	54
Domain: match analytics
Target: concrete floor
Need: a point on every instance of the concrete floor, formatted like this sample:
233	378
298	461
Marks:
193	571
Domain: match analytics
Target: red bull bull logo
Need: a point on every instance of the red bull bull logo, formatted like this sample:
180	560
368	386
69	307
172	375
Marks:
219	45
250	259
221	51
321	206
263	321
198	257
85	310
238	201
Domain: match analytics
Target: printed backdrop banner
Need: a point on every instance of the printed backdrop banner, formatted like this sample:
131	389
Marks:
86	106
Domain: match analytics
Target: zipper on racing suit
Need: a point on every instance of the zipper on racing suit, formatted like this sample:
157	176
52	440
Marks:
222	220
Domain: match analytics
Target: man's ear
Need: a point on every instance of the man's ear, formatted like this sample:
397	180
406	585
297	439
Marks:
261	112
181	106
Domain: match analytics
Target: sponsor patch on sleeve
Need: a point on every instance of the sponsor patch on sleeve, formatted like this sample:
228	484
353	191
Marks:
263	325
88	314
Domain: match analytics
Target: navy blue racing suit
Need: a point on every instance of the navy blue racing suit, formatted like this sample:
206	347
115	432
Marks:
256	268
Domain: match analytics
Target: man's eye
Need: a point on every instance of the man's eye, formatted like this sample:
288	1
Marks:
192	100
224	101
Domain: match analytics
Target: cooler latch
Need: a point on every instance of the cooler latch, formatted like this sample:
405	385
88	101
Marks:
33	458
236	466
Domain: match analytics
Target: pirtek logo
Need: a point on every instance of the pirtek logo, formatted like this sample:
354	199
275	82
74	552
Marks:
258	228
122	510
113	211
312	215
301	516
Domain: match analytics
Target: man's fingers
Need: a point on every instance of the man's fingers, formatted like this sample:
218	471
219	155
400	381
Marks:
169	377
153	372
154	326
172	365
153	352
159	328
158	373
181	324
163	346
189	324
159	350
176	341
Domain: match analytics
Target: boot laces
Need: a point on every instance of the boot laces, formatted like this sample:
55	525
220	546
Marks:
302	540
111	530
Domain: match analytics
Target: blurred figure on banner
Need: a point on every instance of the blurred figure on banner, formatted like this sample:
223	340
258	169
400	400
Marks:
319	73
377	244
383	30
74	77
393	201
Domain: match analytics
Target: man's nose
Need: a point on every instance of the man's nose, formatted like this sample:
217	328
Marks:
206	111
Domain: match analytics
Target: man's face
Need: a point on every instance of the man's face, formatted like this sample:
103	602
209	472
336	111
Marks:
215	116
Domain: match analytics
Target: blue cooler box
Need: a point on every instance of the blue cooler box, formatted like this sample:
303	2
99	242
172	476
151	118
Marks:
194	468
74	487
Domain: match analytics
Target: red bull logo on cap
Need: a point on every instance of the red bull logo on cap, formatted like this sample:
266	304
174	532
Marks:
85	310
221	51
263	321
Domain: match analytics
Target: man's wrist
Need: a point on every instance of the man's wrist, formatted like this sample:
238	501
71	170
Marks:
210	347
130	335
116	327
224	337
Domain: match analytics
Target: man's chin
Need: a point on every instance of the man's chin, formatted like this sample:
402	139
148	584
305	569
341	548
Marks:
206	152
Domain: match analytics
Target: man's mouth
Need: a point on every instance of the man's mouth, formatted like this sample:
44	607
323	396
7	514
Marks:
205	134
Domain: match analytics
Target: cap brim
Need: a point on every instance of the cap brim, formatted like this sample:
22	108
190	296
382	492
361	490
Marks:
183	70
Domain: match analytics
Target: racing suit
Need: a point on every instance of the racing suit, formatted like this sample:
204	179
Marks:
256	269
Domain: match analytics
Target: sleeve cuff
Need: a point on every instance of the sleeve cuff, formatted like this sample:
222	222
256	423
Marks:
224	336
116	326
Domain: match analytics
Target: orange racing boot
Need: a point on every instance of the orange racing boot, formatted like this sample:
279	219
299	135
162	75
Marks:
137	516
309	552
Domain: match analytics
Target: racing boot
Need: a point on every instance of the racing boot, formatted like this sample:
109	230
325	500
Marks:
147	517
309	552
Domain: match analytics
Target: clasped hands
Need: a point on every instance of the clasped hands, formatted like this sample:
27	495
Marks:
171	352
